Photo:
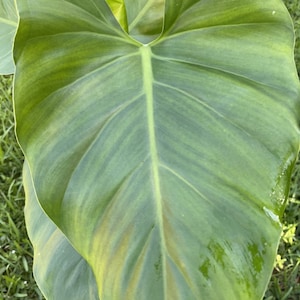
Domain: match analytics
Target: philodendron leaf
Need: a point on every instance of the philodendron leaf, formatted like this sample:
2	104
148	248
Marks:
60	271
165	164
8	27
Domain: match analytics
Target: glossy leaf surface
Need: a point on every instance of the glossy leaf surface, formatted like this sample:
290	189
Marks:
165	164
8	27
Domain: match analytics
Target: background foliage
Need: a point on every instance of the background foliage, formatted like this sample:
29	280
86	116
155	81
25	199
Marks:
16	279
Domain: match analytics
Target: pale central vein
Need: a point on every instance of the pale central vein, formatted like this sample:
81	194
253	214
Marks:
148	87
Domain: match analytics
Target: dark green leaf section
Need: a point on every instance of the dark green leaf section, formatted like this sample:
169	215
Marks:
165	164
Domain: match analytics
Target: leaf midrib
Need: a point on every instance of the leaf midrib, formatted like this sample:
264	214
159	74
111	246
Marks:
148	80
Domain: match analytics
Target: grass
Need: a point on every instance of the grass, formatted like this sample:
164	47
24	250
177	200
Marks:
294	8
16	280
285	281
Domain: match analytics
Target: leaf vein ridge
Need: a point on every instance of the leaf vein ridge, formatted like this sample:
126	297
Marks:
140	15
96	136
185	181
204	104
220	69
146	56
85	76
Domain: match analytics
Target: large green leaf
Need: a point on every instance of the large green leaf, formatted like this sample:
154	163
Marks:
8	27
60	271
165	164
